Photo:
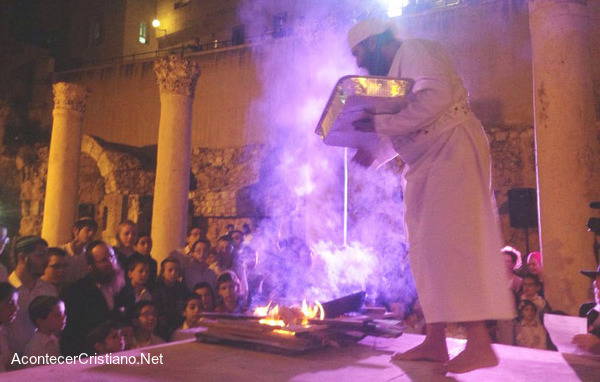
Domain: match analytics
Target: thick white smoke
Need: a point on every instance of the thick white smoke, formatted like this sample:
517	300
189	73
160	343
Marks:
302	180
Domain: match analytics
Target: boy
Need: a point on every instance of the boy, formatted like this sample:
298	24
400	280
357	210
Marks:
107	338
191	315
531	286
84	230
48	315
136	290
144	323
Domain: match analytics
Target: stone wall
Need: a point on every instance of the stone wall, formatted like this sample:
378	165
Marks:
118	187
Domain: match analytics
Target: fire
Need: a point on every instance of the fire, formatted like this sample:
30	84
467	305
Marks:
283	316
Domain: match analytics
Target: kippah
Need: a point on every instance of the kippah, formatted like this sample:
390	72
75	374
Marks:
26	241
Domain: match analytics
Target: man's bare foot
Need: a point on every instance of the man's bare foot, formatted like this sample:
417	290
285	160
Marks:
472	358
424	352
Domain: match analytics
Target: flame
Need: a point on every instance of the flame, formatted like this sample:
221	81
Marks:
311	312
282	317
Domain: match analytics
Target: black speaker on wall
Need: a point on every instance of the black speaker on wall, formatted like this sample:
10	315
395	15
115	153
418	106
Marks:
522	207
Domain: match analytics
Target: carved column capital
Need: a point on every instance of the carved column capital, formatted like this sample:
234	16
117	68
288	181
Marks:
70	96
177	75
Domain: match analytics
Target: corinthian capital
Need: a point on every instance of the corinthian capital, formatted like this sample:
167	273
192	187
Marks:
177	75
69	96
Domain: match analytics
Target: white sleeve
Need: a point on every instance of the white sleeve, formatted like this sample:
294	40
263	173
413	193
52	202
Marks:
432	91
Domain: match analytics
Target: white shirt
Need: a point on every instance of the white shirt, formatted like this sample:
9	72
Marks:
78	266
42	344
21	330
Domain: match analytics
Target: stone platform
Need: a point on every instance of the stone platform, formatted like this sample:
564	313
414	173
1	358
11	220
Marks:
367	361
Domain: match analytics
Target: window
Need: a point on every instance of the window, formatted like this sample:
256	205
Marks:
143	35
238	36
95	33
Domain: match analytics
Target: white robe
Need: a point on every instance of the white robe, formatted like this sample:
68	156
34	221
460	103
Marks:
450	213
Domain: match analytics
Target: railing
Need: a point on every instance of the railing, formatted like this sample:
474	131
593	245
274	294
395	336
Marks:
415	6
182	49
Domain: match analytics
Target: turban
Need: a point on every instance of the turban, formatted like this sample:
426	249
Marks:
372	27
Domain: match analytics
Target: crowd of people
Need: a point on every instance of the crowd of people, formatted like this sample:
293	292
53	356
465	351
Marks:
90	297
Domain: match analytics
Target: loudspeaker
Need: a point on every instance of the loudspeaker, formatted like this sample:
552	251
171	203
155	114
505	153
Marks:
522	207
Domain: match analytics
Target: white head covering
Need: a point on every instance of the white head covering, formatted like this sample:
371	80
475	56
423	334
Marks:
372	27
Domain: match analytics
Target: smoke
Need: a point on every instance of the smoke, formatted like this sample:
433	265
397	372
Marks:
301	185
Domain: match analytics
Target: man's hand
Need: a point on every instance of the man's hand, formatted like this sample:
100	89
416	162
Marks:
587	342
363	157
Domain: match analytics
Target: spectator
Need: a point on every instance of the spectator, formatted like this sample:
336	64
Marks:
192	317
591	340
224	255
531	291
128	333
91	300
169	297
107	338
84	230
505	328
248	235
529	330
193	235
57	269
47	313
136	289
9	307
228	288
195	269
126	236
143	246
31	258
512	260
535	266
144	324
207	296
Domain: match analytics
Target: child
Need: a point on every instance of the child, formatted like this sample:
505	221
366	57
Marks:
9	306
48	315
128	333
107	338
136	290
191	315
56	271
169	297
529	330
143	246
126	235
144	324
531	287
228	287
196	269
207	296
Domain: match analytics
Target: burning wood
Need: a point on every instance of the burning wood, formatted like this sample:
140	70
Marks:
297	328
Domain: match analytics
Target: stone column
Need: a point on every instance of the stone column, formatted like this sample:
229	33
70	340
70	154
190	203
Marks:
566	146
60	206
177	78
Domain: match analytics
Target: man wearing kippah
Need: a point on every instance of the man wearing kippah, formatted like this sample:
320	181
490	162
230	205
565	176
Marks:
450	215
31	258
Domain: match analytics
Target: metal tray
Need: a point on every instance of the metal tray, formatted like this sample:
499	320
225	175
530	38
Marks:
351	97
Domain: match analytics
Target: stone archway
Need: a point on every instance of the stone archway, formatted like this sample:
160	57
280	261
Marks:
128	176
